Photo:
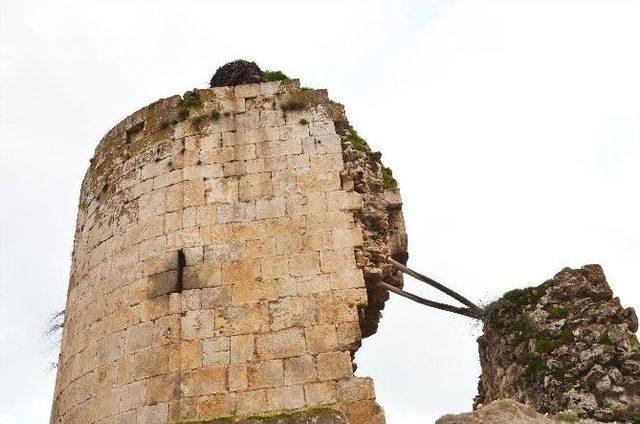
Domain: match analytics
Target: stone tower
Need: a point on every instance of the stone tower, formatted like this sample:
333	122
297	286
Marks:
227	249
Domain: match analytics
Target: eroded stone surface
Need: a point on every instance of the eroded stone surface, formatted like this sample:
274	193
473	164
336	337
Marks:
565	345
313	416
507	411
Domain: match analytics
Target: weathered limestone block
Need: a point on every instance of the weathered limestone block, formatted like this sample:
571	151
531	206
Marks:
222	264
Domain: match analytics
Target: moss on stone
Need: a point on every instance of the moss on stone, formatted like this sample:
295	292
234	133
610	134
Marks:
292	416
529	295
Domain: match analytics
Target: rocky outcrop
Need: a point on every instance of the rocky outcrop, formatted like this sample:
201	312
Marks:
507	411
567	344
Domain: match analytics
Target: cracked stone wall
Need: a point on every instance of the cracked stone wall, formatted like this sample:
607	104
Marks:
284	231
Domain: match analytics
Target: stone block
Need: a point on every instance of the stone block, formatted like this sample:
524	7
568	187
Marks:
193	193
236	212
132	395
222	190
280	344
344	238
304	264
216	297
255	186
349	334
216	358
288	243
271	208
190	354
318	241
204	381
151	361
139	336
236	320
198	324
190	300
151	204
152	247
285	398
323	393
265	374
238	379
152	414
242	348
251	402
355	389
162	283
247	90
212	406
334	365
321	338
299	370
248	120
275	266
162	388
240	271
248	230
332	261
207	274
295	311
224	251
166	329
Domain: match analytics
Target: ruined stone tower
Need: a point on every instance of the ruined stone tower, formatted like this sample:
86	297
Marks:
227	249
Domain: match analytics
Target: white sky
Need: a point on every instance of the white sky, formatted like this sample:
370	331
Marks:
513	128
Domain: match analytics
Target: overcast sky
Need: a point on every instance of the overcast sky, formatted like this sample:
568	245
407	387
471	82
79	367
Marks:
513	128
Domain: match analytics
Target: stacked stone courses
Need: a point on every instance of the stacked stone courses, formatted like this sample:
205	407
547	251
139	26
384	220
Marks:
266	316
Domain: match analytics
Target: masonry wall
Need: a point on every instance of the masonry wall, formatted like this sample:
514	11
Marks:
267	314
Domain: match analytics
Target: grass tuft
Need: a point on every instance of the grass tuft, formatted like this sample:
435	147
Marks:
270	75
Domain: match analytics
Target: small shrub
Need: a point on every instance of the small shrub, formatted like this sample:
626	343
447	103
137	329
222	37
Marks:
636	418
190	99
215	115
303	121
164	124
388	182
535	364
605	340
556	312
183	114
270	75
355	141
293	106
199	121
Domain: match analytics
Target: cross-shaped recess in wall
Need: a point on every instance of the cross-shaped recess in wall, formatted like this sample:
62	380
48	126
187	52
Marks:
182	261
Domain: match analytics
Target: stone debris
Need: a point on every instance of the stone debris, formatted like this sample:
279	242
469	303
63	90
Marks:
508	411
567	344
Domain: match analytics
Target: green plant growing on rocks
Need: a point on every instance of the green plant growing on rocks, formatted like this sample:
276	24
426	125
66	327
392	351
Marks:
556	312
303	121
293	106
271	75
190	99
388	182
199	121
354	140
215	115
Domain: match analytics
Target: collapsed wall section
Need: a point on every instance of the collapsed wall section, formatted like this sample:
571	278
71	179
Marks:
567	344
226	247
